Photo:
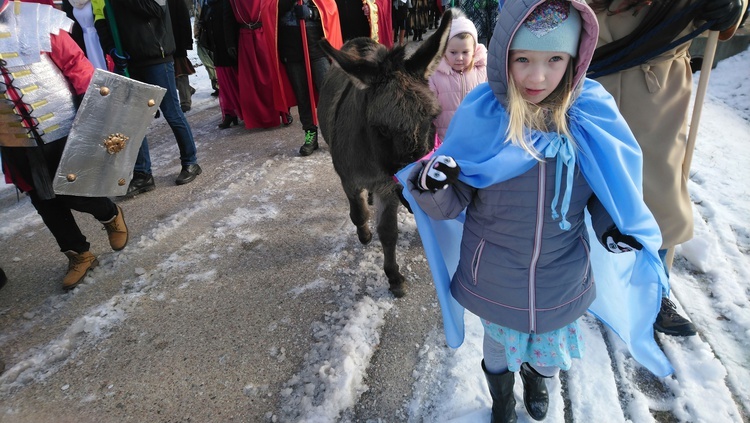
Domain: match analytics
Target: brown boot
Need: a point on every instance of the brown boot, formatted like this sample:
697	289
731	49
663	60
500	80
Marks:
78	265
117	231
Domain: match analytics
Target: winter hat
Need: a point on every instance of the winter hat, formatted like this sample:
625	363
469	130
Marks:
460	24
553	26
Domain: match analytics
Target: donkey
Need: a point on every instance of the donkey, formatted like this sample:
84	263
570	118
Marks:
376	111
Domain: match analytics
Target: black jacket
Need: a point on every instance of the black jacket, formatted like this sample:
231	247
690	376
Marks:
145	30
182	29
219	25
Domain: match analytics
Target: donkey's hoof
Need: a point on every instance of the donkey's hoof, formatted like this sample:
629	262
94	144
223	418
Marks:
364	234
397	285
397	290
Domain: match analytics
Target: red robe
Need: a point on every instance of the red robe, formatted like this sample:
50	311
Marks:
385	22
329	17
259	95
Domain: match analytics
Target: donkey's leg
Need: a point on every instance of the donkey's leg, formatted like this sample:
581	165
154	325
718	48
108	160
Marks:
359	213
388	234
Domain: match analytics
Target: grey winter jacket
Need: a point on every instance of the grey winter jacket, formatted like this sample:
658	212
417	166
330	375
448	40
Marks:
517	267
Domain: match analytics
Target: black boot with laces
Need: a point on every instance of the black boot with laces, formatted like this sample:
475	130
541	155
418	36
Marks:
311	143
669	322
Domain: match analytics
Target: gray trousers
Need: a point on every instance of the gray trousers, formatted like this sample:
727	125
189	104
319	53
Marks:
207	59
185	91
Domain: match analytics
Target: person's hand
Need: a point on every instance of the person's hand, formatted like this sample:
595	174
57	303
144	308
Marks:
301	11
402	199
618	243
366	9
438	173
232	52
121	61
723	13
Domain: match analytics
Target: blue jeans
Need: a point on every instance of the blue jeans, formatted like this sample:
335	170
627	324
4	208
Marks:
163	76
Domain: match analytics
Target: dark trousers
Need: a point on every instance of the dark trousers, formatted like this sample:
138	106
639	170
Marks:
297	73
57	216
56	212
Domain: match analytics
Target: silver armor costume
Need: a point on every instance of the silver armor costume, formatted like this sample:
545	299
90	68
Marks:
37	102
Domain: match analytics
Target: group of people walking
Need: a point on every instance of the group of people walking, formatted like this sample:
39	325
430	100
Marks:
561	142
146	42
267	58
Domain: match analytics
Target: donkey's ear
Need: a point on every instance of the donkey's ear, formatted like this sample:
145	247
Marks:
359	70
426	59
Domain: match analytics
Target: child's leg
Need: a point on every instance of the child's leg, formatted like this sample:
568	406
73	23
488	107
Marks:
547	372
494	355
535	395
499	380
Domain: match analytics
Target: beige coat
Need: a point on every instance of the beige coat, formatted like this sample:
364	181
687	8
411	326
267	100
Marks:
654	99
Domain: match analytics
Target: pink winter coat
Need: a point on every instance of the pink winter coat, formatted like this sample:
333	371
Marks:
451	87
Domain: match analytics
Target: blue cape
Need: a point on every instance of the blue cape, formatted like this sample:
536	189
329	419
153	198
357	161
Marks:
629	285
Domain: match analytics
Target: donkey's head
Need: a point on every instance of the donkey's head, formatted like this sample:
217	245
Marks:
398	105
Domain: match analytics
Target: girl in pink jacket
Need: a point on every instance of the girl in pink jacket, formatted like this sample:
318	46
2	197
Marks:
463	67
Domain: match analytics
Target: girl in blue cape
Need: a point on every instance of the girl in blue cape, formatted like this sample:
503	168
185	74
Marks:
502	208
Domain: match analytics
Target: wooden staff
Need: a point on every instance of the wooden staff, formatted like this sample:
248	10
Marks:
700	94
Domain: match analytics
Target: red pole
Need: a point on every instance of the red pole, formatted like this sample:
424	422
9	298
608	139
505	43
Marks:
310	87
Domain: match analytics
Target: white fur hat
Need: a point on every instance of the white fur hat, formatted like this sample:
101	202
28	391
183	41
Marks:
460	24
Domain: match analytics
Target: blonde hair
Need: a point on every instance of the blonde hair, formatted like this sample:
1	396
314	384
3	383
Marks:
550	114
463	36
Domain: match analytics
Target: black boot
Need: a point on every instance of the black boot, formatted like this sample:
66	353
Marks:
141	182
228	121
501	391
287	118
311	143
669	322
535	396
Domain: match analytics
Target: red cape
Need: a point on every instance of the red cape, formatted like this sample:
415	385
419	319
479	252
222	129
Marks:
382	16
283	94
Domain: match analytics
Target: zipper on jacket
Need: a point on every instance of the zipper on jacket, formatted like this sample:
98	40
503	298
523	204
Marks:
475	261
537	250
463	86
161	48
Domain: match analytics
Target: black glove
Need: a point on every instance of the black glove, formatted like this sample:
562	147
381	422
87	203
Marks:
121	61
232	52
723	13
301	11
618	243
402	199
438	173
